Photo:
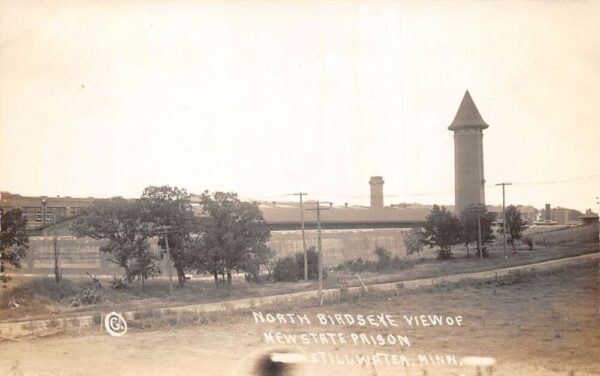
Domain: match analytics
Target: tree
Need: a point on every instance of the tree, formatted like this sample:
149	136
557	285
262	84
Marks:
231	230
470	226
203	257
442	229
413	241
169	211
514	224
13	240
255	260
122	223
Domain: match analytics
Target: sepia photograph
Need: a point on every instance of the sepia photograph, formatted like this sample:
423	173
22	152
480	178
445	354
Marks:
299	188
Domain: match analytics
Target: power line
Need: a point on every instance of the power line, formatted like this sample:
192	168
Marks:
559	181
580	178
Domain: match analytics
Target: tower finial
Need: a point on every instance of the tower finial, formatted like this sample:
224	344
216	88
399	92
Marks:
467	115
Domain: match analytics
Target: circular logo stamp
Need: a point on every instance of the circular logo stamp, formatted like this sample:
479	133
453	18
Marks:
115	324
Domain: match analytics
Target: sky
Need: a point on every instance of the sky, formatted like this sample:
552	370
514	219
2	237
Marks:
268	98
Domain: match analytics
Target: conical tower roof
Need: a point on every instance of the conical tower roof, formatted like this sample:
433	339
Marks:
467	116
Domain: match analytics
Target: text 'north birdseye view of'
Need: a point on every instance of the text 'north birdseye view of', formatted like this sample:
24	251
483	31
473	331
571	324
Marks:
183	188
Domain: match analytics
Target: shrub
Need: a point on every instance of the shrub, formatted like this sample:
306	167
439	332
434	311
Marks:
444	254
384	258
486	252
117	283
91	294
286	270
385	262
358	265
291	268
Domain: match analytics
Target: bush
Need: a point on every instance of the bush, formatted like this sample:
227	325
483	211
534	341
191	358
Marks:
91	294
529	243
286	269
291	268
486	252
117	283
385	262
384	258
444	254
358	265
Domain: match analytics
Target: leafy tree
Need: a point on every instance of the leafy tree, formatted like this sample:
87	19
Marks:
231	230
413	241
442	229
13	240
514	224
169	211
255	260
122	223
203	256
469	226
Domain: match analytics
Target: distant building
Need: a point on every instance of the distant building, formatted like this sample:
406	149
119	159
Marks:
285	216
589	219
348	232
528	213
469	182
41	211
560	216
564	216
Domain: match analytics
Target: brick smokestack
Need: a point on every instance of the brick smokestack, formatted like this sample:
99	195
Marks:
376	184
548	213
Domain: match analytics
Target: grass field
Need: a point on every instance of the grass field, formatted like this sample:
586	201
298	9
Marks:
543	323
39	297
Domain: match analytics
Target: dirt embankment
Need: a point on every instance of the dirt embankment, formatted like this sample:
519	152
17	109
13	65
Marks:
560	236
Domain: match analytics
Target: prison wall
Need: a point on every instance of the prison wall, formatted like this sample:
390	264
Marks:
78	256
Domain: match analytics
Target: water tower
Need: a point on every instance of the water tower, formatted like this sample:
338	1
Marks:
469	183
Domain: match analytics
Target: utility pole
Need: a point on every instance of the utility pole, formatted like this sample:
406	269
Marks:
57	275
1	253
479	235
504	217
319	248
478	210
44	203
303	235
598	203
169	261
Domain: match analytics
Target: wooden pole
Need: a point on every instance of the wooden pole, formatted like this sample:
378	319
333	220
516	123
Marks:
169	262
303	234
